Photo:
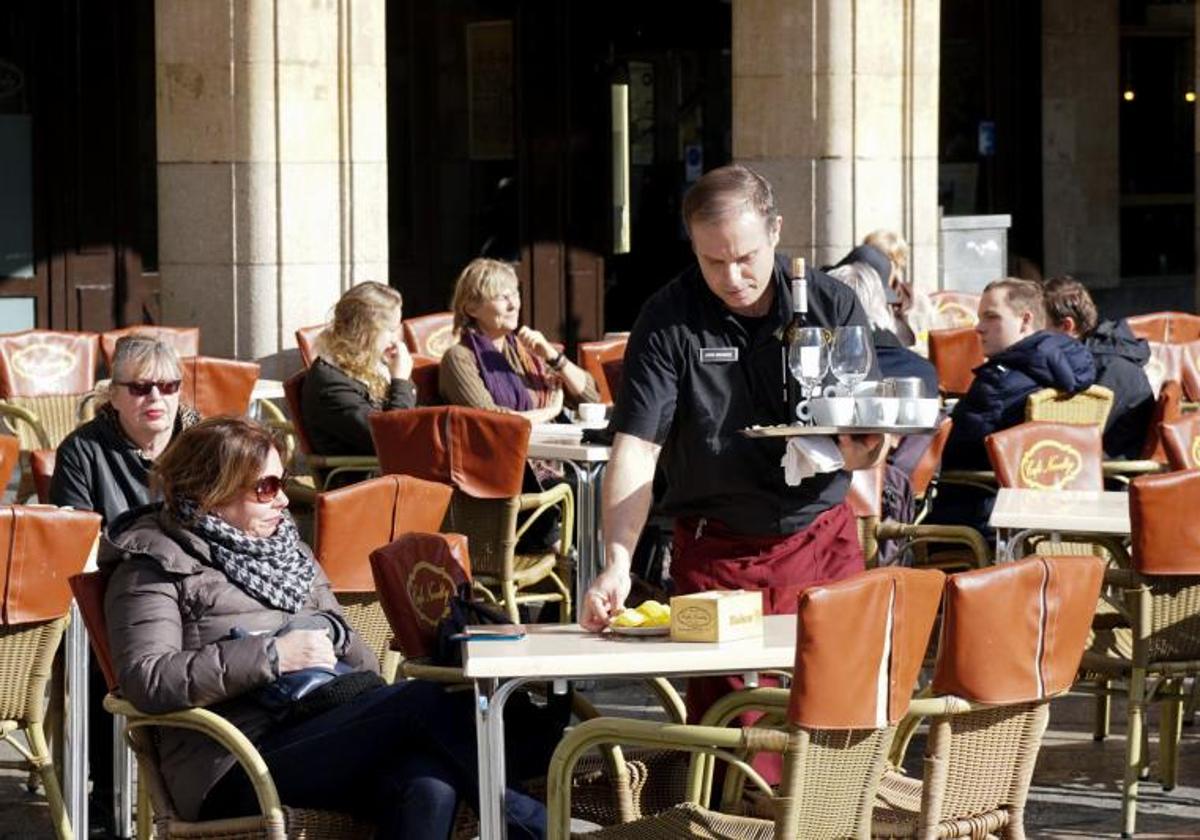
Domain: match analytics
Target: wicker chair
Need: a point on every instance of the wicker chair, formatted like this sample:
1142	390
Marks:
215	386
1161	611
324	467
46	384
429	335
354	521
859	647
1181	442
998	666
10	457
1167	410
955	354
482	455
275	821
425	380
954	310
593	356
1167	327
1089	407
306	342
41	466
185	340
39	549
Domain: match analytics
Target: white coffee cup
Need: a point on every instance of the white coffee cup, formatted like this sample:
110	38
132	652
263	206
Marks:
922	412
833	411
592	412
876	411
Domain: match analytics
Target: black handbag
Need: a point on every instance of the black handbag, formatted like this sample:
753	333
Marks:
463	611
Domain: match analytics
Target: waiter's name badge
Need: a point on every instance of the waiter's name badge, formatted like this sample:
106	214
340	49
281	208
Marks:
716	355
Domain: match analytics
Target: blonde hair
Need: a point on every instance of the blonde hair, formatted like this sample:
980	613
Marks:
360	317
864	281
893	246
140	355
481	280
213	462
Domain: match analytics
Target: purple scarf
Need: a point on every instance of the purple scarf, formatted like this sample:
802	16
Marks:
502	382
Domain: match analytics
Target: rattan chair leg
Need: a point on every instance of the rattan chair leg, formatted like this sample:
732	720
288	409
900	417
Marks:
1103	719
565	611
1134	756
144	827
1170	730
510	601
45	768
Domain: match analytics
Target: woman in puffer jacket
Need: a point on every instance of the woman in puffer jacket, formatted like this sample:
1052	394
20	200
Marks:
213	598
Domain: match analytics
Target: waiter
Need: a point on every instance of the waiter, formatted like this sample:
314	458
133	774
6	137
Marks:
703	361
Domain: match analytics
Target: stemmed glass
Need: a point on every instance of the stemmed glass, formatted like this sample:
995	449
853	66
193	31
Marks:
851	356
808	359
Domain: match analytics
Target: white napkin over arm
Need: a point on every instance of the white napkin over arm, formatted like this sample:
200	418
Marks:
808	455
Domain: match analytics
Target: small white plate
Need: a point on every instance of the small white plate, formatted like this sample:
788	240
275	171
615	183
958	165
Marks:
662	630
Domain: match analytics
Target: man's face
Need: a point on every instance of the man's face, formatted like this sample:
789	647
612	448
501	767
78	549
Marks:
737	257
999	326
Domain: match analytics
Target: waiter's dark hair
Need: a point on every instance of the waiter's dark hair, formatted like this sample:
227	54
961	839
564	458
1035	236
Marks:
727	191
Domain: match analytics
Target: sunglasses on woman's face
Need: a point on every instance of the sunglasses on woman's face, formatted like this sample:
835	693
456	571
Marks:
140	388
269	486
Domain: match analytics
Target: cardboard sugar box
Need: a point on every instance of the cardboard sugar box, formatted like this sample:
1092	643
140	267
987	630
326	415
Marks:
719	616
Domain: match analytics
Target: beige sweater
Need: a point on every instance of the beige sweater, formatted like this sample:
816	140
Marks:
460	382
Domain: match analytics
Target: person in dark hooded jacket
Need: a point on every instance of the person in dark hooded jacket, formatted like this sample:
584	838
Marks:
1022	358
1120	359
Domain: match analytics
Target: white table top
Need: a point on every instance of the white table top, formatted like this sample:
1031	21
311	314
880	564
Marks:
1080	511
267	389
567	651
562	442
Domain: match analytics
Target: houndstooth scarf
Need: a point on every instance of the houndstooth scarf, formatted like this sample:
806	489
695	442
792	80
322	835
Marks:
271	569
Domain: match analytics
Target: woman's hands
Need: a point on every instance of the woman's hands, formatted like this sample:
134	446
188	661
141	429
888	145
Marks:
301	649
536	343
398	360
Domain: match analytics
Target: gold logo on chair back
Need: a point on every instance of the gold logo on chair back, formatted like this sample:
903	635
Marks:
953	314
429	589
1049	465
440	341
41	362
1195	451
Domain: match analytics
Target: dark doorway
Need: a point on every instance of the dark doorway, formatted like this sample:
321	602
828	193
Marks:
78	204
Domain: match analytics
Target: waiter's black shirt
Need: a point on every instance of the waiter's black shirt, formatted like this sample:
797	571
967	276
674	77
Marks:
694	374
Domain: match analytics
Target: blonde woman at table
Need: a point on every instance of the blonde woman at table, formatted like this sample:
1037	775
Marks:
362	366
498	364
213	601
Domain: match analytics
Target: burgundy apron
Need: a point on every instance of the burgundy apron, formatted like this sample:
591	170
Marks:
708	555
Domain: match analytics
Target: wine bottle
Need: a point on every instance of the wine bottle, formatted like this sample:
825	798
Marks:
792	394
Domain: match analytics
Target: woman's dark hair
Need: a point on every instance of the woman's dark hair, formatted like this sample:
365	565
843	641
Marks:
213	462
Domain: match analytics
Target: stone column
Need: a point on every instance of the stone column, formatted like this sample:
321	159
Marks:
272	164
1080	166
836	102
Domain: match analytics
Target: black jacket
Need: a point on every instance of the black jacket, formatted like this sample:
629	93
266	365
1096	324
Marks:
335	408
896	360
99	468
1120	361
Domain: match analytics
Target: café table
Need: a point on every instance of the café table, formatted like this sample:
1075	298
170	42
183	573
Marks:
560	652
563	442
1019	512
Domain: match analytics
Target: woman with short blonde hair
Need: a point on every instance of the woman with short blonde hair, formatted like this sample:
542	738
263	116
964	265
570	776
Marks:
362	366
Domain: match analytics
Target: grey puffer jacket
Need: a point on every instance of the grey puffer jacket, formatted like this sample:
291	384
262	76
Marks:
169	615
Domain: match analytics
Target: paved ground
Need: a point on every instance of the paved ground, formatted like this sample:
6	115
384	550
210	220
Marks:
1076	791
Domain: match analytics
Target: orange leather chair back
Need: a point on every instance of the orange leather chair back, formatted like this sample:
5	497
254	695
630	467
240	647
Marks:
1167	410
592	357
866	491
215	386
293	389
306	341
1162	512
429	335
185	340
1184	329
843	648
415	576
38	363
88	589
40	548
955	354
425	378
953	310
1015	633
927	465
1181	442
354	521
1152	326
481	453
10	456
41	464
1188	355
1039	455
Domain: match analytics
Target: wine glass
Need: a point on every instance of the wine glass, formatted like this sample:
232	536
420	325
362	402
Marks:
851	356
808	359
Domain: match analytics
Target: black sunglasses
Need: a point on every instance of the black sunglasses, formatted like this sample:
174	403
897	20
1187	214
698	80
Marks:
268	487
166	387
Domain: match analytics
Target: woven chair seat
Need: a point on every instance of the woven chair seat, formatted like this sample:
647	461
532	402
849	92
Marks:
687	820
299	823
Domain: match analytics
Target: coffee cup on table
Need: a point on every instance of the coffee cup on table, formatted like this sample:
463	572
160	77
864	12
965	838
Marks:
833	411
876	411
592	412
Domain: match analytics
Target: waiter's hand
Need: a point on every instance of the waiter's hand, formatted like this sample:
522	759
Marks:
604	598
862	451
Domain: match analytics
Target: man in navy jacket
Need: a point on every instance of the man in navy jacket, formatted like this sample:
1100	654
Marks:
1022	357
